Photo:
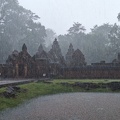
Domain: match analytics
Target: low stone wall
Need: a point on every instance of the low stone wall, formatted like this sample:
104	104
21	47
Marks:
91	72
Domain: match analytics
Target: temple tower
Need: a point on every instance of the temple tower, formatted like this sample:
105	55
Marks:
56	48
69	55
40	50
55	53
78	58
118	57
24	48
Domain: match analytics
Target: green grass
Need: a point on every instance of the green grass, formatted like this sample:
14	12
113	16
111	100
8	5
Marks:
86	80
41	88
33	90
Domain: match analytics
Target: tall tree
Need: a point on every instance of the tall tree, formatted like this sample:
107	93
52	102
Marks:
20	26
75	35
114	37
50	36
102	30
97	43
76	29
94	45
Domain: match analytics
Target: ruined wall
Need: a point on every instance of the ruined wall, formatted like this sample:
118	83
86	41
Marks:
91	72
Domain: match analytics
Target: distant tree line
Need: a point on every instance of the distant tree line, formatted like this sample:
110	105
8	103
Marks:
19	25
101	43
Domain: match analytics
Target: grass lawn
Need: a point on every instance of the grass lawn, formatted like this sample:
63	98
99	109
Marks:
41	88
86	80
33	90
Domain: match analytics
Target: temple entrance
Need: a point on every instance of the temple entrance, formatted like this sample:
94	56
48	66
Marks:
21	70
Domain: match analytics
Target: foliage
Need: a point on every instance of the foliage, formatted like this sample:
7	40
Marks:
76	29
19	26
94	45
50	37
114	37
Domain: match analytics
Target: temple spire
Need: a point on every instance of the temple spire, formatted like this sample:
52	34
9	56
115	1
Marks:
24	47
40	49
69	54
56	48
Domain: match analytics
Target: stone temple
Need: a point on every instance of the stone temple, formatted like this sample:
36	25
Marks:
53	64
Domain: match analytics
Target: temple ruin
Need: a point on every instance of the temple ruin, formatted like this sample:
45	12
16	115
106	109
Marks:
53	64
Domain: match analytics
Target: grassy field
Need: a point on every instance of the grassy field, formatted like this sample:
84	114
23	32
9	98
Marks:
86	80
33	90
42	88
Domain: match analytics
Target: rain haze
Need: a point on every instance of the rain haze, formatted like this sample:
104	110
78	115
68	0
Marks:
59	15
52	47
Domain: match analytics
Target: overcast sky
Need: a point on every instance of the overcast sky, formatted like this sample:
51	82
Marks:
59	15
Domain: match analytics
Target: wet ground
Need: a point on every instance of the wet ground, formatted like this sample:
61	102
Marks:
72	106
4	82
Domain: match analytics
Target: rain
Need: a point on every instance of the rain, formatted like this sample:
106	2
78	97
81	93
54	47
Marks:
43	43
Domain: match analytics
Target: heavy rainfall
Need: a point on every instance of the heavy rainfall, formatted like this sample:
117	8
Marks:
59	46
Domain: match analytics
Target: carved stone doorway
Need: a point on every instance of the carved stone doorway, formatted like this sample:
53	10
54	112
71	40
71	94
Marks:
21	70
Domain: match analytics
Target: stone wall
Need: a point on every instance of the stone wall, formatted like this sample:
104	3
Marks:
91	72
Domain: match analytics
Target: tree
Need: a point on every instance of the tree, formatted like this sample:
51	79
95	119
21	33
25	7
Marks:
103	30
20	26
33	36
64	41
5	48
51	35
76	29
75	36
118	17
97	44
95	48
114	38
93	45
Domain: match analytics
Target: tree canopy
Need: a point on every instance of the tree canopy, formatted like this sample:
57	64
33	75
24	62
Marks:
19	26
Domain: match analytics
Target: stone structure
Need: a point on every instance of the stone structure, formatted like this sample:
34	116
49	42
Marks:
119	57
78	59
74	58
42	64
40	50
25	63
21	63
69	55
41	61
53	64
94	71
55	54
13	58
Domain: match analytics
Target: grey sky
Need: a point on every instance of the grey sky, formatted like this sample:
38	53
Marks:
59	15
